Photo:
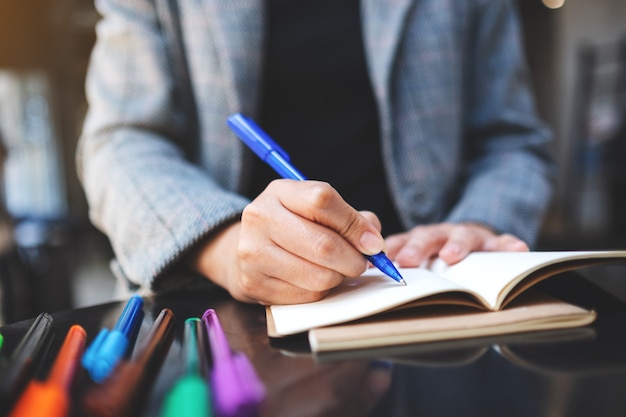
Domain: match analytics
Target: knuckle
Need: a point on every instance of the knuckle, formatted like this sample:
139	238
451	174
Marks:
247	285
320	194
323	247
324	281
247	250
251	213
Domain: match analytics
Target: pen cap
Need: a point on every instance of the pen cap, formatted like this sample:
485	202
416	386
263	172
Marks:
109	347
193	347
126	323
237	389
68	359
254	137
104	354
24	360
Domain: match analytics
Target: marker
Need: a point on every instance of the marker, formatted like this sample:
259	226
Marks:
237	390
1	340
190	396
24	361
51	398
109	347
124	392
272	154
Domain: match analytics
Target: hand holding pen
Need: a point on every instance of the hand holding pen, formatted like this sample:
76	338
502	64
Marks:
334	215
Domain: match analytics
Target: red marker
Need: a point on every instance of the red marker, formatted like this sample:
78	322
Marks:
51	398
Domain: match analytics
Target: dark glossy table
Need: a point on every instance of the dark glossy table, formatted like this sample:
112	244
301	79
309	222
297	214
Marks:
579	372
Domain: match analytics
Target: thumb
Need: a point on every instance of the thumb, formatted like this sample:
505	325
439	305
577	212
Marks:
360	229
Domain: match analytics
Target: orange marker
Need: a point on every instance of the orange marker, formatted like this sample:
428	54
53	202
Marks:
51	398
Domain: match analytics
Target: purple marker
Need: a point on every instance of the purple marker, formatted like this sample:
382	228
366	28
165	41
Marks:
237	390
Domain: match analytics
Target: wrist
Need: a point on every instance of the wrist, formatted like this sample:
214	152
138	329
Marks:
215	257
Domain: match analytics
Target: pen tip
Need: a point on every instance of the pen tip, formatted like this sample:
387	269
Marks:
402	281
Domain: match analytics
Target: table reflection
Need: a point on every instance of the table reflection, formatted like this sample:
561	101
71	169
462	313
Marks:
575	372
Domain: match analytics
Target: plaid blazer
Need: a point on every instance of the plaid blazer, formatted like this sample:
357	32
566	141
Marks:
461	140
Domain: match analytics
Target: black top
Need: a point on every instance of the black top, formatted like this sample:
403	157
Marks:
318	104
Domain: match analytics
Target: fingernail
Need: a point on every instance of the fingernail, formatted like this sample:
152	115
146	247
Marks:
371	243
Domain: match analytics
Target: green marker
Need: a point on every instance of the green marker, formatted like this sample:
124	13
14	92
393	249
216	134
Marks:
1	340
190	396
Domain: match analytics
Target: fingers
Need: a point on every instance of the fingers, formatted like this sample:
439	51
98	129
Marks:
462	240
411	249
298	240
272	217
450	242
373	219
275	276
506	242
322	204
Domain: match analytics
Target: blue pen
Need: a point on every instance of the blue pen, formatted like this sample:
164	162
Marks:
109	347
272	154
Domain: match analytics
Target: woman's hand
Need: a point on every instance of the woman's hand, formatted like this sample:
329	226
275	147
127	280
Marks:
295	242
448	241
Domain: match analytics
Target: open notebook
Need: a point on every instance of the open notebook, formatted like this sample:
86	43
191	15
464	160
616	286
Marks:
485	294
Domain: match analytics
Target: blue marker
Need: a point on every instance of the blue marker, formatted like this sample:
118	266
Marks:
109	347
273	155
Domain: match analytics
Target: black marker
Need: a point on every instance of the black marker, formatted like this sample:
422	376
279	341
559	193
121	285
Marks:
24	361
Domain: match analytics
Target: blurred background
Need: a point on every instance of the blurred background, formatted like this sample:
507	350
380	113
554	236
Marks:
52	259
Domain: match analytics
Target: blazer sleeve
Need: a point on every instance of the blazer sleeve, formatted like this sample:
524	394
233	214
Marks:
133	155
510	173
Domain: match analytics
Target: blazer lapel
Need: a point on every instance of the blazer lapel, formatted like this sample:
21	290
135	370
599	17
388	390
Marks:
383	23
238	28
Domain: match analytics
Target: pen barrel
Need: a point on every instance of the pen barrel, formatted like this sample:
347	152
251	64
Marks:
42	399
158	340
193	348
126	323
67	361
189	397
